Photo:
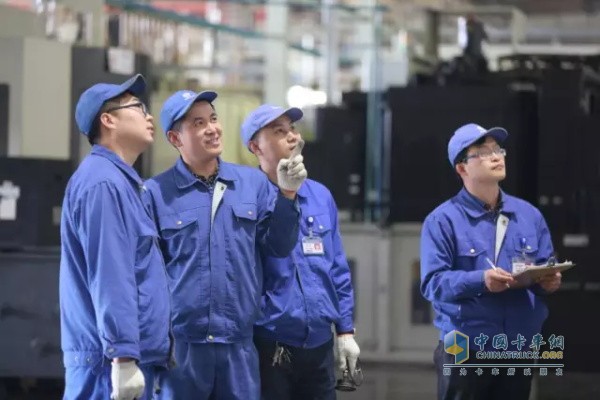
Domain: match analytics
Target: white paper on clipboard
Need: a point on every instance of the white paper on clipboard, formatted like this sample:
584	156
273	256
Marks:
537	271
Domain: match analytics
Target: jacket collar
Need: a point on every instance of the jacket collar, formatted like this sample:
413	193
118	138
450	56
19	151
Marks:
303	190
118	161
184	178
476	208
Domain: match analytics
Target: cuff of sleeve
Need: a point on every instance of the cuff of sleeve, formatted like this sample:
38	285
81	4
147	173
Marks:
283	201
122	350
474	282
346	326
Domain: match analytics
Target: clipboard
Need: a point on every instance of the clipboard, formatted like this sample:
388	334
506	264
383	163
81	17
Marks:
538	271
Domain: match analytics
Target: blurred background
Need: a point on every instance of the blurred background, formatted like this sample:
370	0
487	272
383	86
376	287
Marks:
383	85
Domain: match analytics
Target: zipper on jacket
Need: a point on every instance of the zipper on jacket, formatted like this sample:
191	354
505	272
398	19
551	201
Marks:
213	213
211	192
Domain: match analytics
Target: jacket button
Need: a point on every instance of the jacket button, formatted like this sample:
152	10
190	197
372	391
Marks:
111	350
210	338
321	227
472	251
249	212
178	222
528	247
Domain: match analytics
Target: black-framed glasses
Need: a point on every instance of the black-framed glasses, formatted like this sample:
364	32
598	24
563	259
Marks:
138	104
486	154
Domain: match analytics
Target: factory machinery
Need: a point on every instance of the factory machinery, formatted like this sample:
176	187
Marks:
549	104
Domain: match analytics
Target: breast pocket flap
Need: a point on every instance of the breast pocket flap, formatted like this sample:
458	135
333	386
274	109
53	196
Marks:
467	248
529	245
245	210
175	222
322	223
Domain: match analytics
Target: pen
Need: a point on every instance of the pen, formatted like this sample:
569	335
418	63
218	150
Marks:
495	268
491	263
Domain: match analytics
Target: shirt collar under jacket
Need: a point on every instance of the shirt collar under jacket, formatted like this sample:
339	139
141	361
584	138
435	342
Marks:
184	178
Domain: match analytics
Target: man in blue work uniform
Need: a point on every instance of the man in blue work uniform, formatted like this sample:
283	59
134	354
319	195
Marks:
469	247
213	218
114	298
308	291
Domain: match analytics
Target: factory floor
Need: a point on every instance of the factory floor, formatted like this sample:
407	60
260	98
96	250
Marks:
383	382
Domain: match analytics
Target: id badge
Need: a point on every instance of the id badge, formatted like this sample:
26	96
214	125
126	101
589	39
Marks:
312	246
520	264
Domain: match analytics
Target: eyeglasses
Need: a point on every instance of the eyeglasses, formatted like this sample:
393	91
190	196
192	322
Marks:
139	104
486	154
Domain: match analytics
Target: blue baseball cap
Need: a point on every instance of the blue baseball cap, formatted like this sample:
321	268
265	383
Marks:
91	101
468	134
263	116
179	103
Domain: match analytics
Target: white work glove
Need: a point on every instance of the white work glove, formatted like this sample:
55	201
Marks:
290	171
348	352
127	381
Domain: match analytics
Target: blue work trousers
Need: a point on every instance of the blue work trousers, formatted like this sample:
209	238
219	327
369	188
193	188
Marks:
212	371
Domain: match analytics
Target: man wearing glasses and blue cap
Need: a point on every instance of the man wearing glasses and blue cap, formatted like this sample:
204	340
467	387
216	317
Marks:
469	247
114	298
215	218
310	290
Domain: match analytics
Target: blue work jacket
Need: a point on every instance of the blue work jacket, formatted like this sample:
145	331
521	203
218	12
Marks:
114	299
304	294
210	239
455	241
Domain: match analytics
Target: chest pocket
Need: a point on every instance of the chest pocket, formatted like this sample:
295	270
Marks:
321	228
244	220
321	225
147	239
179	235
470	255
529	247
174	225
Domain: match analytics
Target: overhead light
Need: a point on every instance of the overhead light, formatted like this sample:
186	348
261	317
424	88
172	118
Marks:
300	96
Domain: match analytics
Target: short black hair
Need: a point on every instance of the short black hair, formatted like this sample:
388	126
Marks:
94	133
460	158
255	135
177	125
92	137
